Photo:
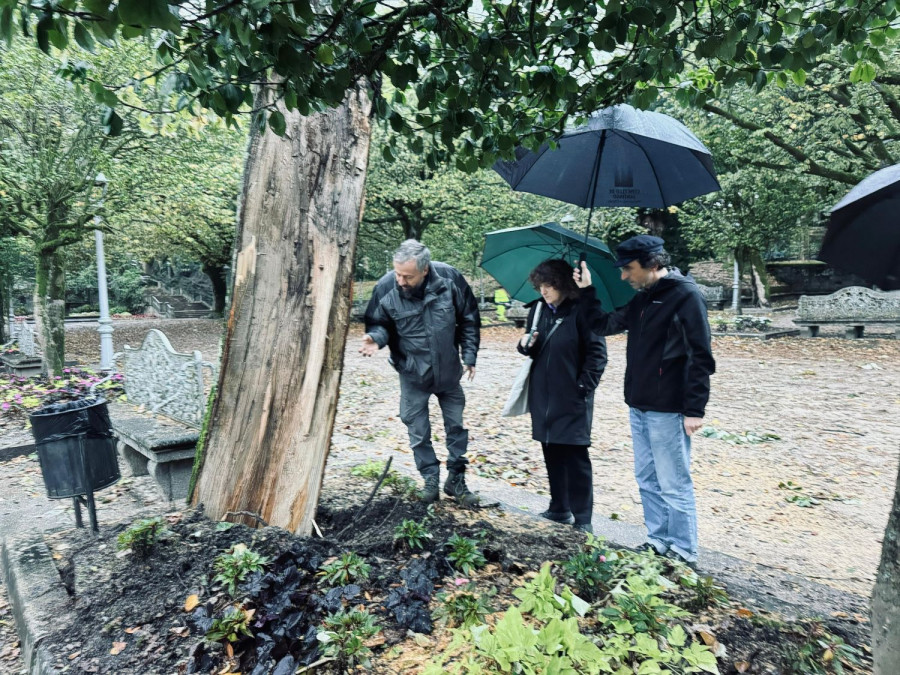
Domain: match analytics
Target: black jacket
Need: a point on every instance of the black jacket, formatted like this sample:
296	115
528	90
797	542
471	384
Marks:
669	357
425	335
566	370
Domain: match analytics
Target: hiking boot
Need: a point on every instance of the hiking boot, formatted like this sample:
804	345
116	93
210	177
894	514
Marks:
432	490
587	528
564	517
674	555
455	486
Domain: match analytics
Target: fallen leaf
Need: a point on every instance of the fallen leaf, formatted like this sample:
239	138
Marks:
744	613
180	631
191	602
132	629
708	638
229	650
742	666
117	648
828	655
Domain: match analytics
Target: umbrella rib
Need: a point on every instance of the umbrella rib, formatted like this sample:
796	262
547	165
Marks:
636	139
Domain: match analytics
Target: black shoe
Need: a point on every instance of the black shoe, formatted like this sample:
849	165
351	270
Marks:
564	517
455	486
584	527
432	490
647	547
674	555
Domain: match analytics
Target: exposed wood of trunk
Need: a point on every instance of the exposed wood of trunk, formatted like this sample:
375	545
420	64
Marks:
50	310
271	424
886	597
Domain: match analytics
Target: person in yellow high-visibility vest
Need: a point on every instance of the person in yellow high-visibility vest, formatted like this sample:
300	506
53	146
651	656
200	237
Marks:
501	299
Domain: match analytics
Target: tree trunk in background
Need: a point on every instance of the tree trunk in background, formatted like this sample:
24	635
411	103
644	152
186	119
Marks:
886	596
50	310
217	278
270	426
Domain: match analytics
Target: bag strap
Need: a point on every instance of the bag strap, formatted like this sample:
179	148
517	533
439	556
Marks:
550	334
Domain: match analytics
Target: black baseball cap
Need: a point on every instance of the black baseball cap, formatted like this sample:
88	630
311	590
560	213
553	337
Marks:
637	248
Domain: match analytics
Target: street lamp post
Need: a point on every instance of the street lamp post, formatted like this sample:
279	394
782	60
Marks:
105	329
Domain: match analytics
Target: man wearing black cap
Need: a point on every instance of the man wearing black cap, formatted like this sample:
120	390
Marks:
668	364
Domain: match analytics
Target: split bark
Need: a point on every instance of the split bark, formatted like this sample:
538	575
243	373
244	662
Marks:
271	423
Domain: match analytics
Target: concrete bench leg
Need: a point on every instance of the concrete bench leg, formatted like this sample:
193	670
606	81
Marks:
136	462
809	331
173	478
854	332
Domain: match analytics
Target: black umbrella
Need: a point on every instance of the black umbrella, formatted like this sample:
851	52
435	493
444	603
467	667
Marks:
620	157
863	234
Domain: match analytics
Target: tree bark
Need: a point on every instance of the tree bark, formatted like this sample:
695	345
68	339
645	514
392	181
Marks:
886	596
270	426
50	310
217	278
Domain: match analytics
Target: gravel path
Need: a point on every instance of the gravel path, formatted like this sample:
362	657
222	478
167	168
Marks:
832	403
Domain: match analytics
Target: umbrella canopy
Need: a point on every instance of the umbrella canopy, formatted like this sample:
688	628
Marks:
863	234
510	255
621	157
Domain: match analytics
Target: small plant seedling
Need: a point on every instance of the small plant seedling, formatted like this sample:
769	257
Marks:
141	537
465	554
347	569
232	625
343	637
233	567
412	533
463	608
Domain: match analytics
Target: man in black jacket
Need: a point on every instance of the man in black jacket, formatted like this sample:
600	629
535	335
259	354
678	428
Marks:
426	314
668	364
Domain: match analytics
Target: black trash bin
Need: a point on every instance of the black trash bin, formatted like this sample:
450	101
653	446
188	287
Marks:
76	450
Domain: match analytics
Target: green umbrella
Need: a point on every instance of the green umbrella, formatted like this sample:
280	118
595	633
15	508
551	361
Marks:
510	255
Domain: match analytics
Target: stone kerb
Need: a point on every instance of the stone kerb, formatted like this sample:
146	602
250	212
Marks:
166	381
854	306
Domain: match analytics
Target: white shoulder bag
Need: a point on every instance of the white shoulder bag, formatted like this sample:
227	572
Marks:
517	403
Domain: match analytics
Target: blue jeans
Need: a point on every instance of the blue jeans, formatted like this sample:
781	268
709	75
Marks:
662	468
414	414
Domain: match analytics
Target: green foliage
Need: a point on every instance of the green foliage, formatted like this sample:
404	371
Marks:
343	637
539	598
348	569
465	554
706	592
412	533
402	486
233	566
234	624
463	607
638	608
815	651
141	537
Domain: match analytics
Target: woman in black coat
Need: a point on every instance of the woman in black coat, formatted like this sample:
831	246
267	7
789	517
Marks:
568	361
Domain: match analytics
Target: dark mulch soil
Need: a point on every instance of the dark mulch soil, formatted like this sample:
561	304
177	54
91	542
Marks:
132	618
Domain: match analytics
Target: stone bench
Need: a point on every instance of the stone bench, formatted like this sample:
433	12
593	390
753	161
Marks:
158	428
27	361
713	295
517	313
853	307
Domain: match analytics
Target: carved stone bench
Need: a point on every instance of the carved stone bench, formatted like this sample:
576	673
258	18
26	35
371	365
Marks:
713	295
159	426
853	307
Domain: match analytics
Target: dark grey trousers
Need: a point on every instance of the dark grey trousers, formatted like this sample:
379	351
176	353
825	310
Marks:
414	414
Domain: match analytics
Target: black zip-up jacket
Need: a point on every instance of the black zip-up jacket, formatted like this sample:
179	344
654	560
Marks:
669	356
426	334
566	370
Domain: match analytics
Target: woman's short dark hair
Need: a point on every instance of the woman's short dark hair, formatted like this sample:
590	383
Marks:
556	273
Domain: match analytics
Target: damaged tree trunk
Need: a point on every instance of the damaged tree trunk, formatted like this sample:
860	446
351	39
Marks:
270	426
886	596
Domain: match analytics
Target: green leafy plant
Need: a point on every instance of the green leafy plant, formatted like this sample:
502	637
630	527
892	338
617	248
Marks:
141	537
347	569
343	636
412	533
818	652
463	607
637	608
539	598
402	486
591	571
745	322
752	437
233	566
706	592
465	554
232	625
